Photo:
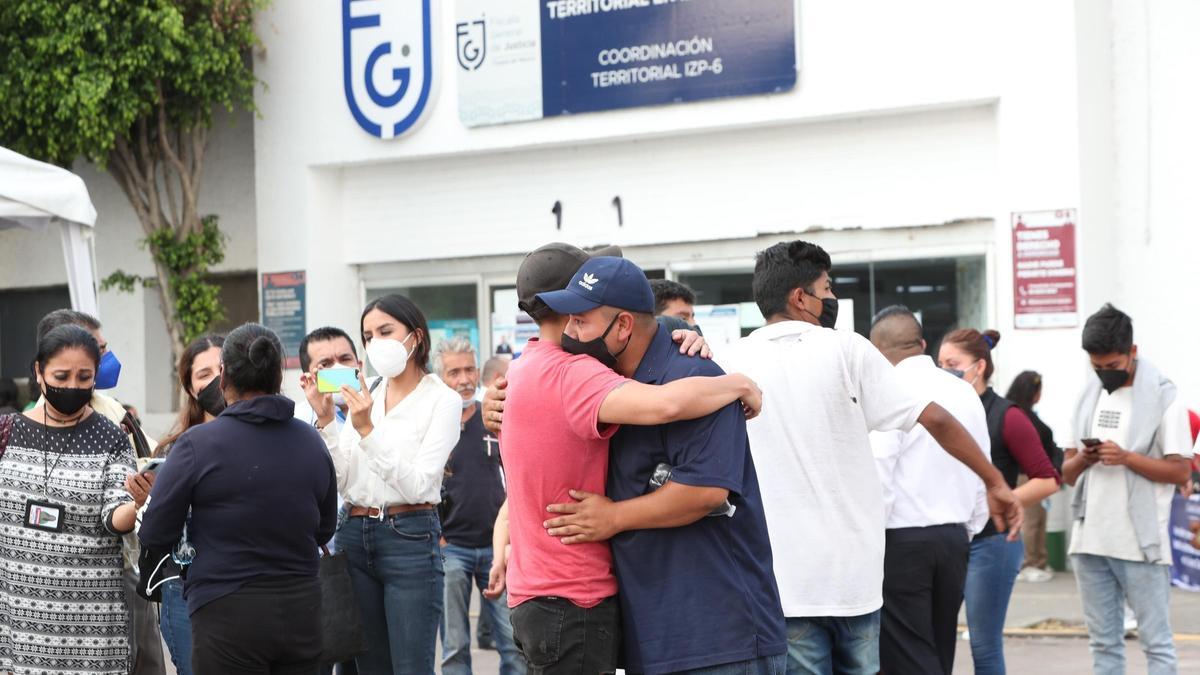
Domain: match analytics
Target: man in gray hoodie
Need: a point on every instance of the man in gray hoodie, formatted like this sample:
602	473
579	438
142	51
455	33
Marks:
1132	447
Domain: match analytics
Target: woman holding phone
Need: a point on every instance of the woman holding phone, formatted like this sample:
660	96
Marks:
1016	449
390	459
199	371
64	504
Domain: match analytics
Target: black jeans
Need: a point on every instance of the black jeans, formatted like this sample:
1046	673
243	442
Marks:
924	572
556	636
267	627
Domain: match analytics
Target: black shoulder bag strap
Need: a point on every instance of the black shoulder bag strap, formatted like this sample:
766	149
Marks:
131	427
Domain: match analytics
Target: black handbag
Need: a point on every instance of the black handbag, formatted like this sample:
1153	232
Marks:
342	636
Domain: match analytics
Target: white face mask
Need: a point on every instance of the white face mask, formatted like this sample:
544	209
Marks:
388	357
339	400
977	373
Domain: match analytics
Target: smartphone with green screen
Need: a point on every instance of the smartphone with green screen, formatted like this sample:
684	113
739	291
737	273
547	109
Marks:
331	380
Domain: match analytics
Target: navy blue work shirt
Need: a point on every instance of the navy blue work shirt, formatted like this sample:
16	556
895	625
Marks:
703	594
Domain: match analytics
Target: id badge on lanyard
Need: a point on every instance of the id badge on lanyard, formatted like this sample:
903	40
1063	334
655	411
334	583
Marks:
43	515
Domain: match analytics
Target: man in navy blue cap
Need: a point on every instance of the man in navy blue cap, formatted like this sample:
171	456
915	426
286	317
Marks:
561	411
692	557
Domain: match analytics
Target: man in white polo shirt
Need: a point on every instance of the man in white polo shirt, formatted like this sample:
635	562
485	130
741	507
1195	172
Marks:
933	505
821	492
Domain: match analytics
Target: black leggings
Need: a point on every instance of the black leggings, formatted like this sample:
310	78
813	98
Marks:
267	627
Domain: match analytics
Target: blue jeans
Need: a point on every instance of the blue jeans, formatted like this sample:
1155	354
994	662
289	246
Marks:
1105	585
821	645
767	665
467	568
176	626
396	569
991	573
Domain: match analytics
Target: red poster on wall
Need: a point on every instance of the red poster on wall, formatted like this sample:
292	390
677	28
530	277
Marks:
1044	279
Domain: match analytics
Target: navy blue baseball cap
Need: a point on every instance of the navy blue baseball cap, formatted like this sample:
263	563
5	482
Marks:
603	281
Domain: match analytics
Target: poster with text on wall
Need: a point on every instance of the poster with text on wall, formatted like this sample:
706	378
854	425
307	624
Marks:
521	60
1044	276
283	311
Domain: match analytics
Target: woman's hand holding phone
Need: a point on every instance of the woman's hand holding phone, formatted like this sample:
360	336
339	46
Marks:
359	404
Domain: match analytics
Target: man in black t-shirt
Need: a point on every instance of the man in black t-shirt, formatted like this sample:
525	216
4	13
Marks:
472	492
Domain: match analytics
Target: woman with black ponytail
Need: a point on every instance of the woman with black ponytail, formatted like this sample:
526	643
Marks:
263	497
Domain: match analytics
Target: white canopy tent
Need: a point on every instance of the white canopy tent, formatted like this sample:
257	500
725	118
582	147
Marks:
33	195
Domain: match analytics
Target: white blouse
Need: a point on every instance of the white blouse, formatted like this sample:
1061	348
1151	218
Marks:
403	459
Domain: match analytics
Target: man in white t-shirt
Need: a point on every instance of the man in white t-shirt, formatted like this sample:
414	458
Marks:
1136	447
820	491
933	505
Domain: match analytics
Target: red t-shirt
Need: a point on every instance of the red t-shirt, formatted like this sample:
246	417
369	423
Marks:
551	442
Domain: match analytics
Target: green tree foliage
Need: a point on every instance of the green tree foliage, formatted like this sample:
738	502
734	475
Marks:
131	85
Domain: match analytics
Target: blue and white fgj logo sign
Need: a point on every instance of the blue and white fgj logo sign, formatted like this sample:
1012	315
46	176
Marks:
387	63
472	43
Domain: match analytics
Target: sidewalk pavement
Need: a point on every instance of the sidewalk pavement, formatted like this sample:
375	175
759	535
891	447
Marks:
1036	605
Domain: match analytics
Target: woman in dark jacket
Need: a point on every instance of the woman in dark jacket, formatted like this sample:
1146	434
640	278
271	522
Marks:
263	497
1025	391
1016	449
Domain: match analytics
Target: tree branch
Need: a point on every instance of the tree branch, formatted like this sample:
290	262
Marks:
174	214
185	177
125	169
148	171
199	143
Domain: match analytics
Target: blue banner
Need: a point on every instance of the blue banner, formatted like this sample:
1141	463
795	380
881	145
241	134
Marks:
1185	558
519	61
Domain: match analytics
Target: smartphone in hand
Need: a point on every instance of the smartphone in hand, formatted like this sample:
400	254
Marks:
331	380
152	465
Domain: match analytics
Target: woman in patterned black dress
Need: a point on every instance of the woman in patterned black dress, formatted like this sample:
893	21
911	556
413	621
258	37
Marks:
63	507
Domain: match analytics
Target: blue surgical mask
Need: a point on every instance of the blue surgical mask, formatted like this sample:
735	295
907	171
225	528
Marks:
109	371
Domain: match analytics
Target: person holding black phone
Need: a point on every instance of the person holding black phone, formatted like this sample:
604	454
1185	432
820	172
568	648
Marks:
1136	447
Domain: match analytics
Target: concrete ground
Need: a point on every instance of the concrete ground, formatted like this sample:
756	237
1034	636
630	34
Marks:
1062	650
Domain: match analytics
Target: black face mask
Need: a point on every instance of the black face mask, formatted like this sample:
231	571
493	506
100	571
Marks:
829	312
828	315
1112	379
595	348
211	398
68	400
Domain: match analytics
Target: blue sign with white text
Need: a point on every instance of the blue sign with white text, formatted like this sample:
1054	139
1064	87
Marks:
520	60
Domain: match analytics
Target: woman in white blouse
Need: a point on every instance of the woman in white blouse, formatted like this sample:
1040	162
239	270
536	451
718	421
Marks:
389	463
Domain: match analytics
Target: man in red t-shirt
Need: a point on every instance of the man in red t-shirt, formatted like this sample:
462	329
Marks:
560	410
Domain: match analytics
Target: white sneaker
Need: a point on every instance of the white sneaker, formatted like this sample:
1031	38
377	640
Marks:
1038	576
1130	620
